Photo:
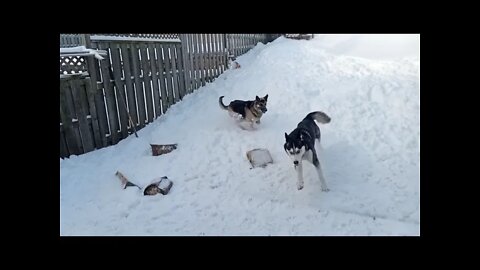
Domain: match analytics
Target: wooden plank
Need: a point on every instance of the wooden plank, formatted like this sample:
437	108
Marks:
81	108
182	70
91	86
73	116
206	50
109	96
97	90
66	115
240	44
168	75
161	76
186	67
146	82
93	111
156	89
244	42
129	83
202	59
223	49
235	48
206	57
192	55
86	107
119	87
196	59
237	43
210	56
174	69
138	85
232	44
220	54
63	144
189	63
225	53
216	62
216	55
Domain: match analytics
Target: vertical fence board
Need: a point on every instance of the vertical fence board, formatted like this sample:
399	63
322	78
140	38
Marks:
97	88
223	46
120	91
181	69
63	144
127	65
77	87
216	60
208	56
193	59
66	115
109	97
174	72
186	65
90	91
168	75
97	135
156	89
161	75
146	82
138	84
203	63
198	59
212	55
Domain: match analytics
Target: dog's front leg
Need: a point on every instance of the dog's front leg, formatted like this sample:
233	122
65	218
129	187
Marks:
299	170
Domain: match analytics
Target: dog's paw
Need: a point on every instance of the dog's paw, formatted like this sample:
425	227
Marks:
299	187
325	189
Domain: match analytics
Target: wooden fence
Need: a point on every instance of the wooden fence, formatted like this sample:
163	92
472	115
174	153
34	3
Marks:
139	79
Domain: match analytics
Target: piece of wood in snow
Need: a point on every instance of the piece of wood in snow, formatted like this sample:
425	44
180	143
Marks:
160	149
125	182
259	157
159	185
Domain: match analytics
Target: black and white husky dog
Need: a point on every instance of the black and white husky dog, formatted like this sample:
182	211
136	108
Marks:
300	145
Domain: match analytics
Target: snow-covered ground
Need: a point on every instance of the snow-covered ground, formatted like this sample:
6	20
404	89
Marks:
367	84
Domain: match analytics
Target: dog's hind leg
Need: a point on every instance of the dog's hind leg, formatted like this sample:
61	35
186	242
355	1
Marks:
299	170
317	165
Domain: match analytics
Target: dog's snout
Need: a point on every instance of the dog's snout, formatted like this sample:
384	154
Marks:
295	162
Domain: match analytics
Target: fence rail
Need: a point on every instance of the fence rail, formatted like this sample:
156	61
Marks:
140	78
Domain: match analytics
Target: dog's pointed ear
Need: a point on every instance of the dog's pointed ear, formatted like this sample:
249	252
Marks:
286	136
266	97
257	98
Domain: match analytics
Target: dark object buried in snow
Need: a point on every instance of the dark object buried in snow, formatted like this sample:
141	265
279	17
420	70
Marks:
159	185
259	157
160	149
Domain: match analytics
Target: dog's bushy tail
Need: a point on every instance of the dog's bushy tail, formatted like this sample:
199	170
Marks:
321	117
220	102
